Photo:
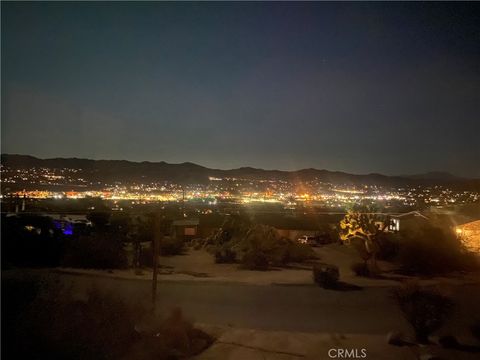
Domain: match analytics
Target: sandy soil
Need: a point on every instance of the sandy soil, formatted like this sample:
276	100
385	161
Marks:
198	265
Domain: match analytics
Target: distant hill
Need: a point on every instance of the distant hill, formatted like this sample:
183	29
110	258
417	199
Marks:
435	175
108	171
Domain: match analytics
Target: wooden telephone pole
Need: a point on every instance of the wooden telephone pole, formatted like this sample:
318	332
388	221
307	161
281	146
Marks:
157	238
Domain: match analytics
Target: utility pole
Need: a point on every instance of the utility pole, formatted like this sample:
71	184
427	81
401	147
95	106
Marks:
157	238
183	202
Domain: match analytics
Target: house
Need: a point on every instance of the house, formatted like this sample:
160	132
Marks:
185	228
467	228
469	235
407	221
66	222
72	218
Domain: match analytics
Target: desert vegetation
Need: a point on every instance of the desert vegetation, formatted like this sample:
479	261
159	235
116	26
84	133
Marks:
426	310
326	275
95	251
39	241
254	246
433	251
424	250
31	241
46	319
364	229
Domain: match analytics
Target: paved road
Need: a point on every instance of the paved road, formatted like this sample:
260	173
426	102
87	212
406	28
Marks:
290	308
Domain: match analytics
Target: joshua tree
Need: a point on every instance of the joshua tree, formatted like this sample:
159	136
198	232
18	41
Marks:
361	227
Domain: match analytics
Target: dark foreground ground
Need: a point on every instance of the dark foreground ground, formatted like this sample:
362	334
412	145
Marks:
288	308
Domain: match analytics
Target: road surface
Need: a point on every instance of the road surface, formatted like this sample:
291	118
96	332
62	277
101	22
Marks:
288	308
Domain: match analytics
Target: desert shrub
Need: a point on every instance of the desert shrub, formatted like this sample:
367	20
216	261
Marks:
122	225
31	240
264	242
97	251
425	310
99	219
55	325
255	260
51	323
449	342
359	245
284	251
325	238
432	251
326	275
170	246
327	234
278	252
360	269
225	256
172	338
388	244
197	244
255	245
232	230
475	329
180	335
146	257
298	252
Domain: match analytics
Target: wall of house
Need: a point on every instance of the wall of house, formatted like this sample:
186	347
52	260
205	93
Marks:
469	235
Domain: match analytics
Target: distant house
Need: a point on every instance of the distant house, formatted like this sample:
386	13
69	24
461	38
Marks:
185	228
72	218
466	228
469	235
401	222
407	221
66	223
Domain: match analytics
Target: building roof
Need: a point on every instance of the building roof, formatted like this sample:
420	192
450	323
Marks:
413	214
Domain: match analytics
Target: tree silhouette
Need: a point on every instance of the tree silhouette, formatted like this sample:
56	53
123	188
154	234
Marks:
361	227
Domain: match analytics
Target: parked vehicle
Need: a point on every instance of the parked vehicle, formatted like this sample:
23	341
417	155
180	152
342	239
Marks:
309	240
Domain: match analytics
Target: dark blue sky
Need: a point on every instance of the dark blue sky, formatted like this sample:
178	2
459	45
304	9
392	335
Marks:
359	87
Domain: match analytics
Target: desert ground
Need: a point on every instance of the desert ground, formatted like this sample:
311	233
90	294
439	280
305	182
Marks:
280	313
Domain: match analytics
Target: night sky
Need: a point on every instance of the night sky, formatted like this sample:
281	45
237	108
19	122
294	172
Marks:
357	87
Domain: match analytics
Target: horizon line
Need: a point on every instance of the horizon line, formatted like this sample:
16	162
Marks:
245	167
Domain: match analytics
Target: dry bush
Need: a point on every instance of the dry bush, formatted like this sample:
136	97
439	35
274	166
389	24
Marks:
260	247
475	329
51	323
145	257
255	260
170	246
326	275
360	269
95	251
433	251
256	247
425	310
225	255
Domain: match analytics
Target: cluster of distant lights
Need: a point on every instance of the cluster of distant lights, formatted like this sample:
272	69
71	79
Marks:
43	176
237	190
331	199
